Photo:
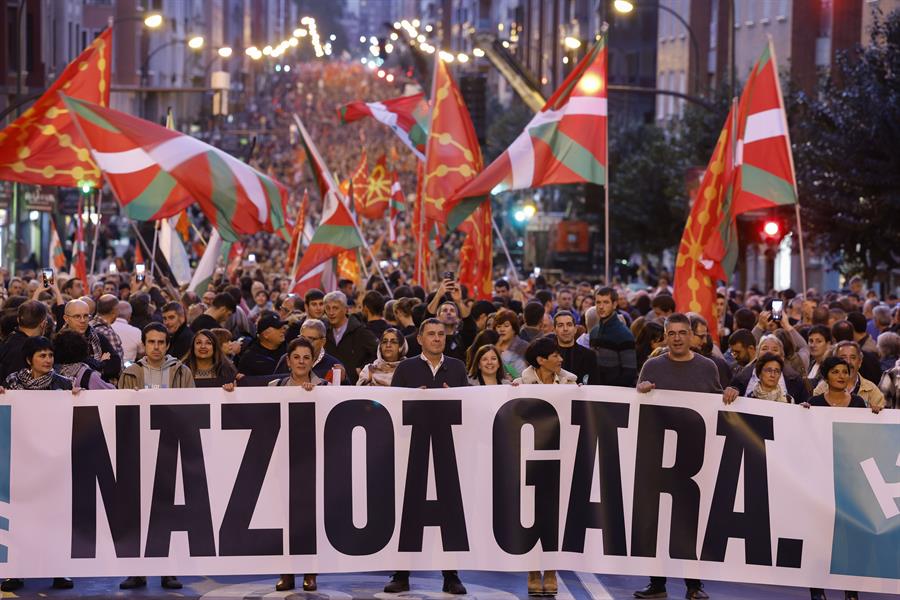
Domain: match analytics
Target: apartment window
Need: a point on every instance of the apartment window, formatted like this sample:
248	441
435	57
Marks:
737	13
660	99
766	11
782	10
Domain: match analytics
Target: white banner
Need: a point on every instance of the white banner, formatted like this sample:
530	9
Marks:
342	479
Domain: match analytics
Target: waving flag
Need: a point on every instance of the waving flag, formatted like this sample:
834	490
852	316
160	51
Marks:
359	183
708	245
293	253
407	116
337	232
42	146
57	256
205	270
156	173
476	259
564	143
373	199
764	175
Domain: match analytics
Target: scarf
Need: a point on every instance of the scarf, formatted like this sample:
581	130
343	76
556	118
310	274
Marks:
381	372
24	380
776	395
71	371
93	340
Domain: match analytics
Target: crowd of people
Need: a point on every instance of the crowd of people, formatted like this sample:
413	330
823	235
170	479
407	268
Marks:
836	349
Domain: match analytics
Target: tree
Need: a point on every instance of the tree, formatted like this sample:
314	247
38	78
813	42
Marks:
848	169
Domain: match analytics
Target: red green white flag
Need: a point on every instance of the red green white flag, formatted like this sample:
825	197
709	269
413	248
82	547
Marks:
337	231
564	143
407	116
764	175
57	256
157	172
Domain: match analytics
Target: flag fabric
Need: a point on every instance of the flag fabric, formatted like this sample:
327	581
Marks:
564	143
232	254
206	268
42	146
173	249
182	224
293	252
398	205
79	251
709	241
764	174
138	254
359	182
321	277
57	255
407	116
337	231
374	200
156	173
476	259
452	155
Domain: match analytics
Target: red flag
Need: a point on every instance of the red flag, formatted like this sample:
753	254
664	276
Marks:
359	183
476	260
378	192
297	236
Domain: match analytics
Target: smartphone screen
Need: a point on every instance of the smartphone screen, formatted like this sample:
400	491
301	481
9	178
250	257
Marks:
139	269
48	277
777	309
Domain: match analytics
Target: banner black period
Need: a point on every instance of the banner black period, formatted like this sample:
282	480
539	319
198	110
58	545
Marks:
597	479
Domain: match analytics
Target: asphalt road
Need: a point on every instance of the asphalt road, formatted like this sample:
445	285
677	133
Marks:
482	585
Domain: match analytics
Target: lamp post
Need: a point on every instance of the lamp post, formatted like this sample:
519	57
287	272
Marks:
627	6
194	43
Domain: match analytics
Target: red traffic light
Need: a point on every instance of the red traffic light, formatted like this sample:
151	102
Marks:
772	228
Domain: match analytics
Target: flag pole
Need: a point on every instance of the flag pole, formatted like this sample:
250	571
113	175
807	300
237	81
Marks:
509	259
143	244
99	198
787	135
155	241
604	28
334	188
421	197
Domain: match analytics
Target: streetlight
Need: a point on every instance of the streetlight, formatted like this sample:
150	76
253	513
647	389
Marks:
153	20
196	42
626	6
224	51
572	43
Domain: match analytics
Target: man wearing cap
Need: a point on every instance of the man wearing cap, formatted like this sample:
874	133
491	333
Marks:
262	354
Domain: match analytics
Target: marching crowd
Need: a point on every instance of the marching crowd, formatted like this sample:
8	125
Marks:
836	349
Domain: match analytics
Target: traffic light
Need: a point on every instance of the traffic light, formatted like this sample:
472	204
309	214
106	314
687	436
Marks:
772	230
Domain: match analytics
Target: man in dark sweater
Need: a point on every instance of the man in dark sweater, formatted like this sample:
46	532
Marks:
347	338
430	369
576	358
223	306
31	316
613	342
180	335
682	370
261	356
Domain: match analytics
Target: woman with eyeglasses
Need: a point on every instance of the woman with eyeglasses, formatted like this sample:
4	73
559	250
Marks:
768	378
391	350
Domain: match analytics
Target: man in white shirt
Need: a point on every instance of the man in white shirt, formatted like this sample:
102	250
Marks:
129	335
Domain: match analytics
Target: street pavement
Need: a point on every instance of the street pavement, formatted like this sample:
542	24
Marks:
482	585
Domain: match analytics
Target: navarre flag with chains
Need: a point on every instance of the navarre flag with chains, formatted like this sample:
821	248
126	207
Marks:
42	146
157	172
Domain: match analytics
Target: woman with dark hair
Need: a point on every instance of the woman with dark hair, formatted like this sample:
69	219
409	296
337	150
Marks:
544	366
836	373
484	338
768	368
300	356
39	374
651	337
391	350
208	363
141	310
487	367
819	341
71	353
511	346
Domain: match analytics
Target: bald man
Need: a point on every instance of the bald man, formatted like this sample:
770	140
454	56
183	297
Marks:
103	356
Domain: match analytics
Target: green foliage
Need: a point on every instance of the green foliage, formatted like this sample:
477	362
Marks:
845	147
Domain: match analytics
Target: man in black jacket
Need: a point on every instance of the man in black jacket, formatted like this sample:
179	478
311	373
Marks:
347	339
180	335
430	369
577	359
31	317
261	356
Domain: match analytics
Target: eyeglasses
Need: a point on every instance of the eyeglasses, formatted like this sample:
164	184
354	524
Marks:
313	338
772	371
79	317
390	341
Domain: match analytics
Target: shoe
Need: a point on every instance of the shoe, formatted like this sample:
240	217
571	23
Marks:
535	587
309	582
652	591
11	585
851	595
551	587
285	583
170	582
452	585
131	583
63	583
696	594
397	585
